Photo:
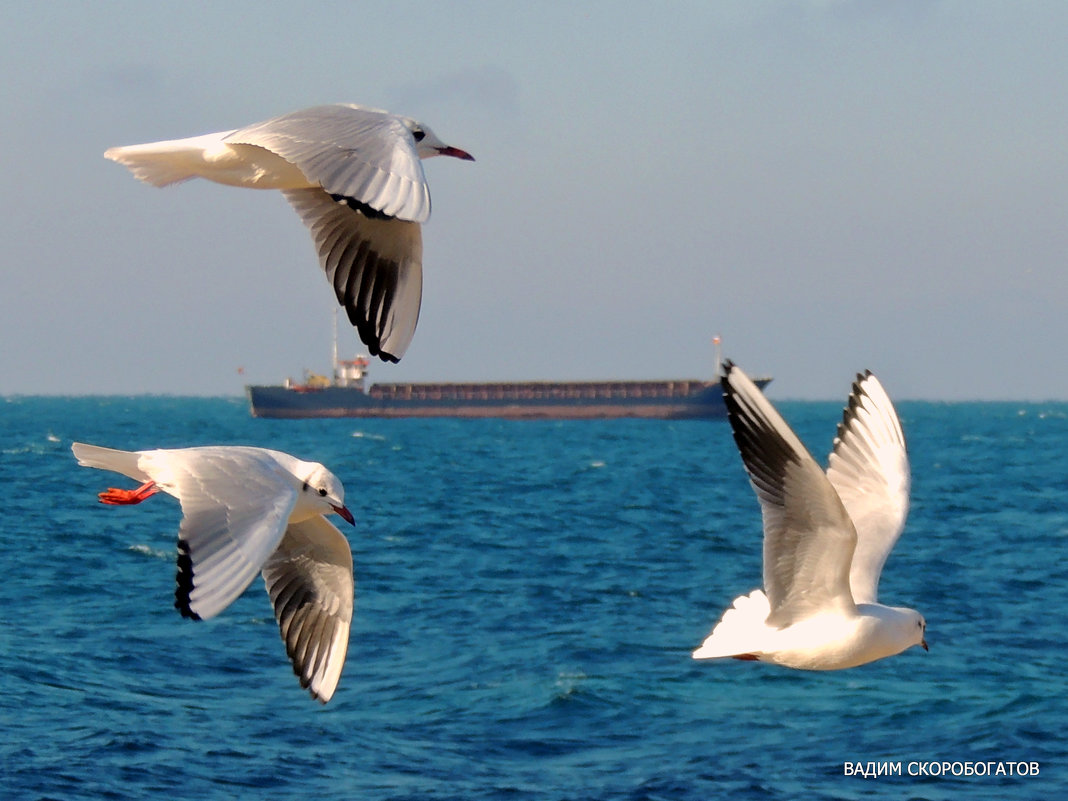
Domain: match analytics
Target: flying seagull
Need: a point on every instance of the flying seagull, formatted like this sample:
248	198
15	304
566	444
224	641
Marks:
354	176
248	511
826	536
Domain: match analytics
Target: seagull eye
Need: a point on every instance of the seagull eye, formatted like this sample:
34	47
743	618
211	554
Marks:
418	135
322	492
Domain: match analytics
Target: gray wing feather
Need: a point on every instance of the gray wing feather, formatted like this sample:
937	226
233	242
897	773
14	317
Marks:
309	578
374	265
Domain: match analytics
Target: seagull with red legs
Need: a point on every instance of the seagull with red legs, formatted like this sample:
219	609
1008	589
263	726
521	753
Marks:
247	511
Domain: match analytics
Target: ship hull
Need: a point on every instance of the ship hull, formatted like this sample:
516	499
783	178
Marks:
662	400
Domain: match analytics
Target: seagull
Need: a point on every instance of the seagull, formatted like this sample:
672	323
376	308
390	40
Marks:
354	176
247	511
826	536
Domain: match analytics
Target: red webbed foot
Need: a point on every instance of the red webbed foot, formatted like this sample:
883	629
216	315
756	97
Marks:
121	497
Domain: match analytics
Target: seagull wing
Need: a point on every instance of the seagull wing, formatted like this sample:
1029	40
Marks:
808	538
309	579
375	266
363	155
869	468
235	506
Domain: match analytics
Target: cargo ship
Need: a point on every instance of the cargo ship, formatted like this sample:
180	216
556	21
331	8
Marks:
347	395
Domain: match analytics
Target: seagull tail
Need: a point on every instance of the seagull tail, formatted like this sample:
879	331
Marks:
125	462
738	632
164	163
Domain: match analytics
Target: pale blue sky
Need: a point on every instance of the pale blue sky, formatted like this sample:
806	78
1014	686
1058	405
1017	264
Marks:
829	185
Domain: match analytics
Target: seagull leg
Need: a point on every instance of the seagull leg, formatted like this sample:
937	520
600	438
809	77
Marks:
121	497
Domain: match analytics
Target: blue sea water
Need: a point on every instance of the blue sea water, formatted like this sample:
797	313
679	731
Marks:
528	594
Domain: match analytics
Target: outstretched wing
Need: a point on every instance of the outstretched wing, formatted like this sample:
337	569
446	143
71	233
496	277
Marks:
358	153
309	579
375	266
869	469
235	506
808	538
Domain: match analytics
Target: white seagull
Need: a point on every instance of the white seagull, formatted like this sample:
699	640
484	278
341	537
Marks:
248	511
354	176
826	536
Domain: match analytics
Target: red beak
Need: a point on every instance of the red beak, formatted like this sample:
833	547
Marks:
456	153
345	513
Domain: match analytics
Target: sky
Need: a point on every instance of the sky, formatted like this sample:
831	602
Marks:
829	185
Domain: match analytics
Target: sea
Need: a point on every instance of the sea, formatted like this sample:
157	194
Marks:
527	597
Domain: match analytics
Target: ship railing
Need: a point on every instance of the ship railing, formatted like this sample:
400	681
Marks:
535	390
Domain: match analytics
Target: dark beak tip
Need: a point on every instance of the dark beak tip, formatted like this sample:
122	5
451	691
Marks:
456	153
345	513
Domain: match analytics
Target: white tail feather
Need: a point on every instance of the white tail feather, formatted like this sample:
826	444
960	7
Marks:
156	167
124	462
738	631
168	162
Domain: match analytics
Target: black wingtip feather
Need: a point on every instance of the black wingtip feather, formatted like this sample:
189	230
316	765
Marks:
849	413
763	450
860	379
184	579
367	292
359	206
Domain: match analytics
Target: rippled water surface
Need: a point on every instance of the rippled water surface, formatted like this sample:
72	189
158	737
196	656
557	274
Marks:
527	597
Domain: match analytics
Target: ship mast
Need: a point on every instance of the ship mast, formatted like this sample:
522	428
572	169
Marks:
334	363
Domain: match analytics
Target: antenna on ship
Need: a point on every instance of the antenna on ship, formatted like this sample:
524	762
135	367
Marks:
335	345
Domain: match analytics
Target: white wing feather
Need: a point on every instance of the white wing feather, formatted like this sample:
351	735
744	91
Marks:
235	506
869	470
808	538
356	152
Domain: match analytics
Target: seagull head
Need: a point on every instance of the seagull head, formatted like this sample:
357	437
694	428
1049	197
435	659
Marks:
915	628
428	145
324	490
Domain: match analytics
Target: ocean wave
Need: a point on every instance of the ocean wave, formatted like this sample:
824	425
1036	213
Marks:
148	550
